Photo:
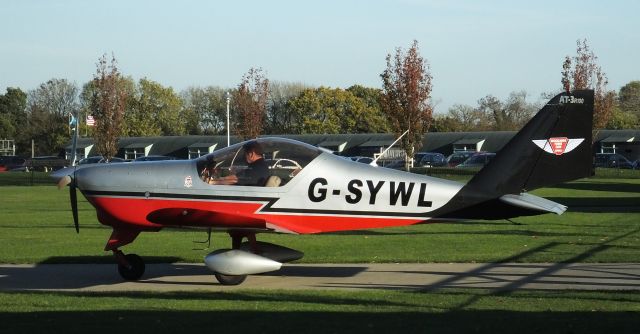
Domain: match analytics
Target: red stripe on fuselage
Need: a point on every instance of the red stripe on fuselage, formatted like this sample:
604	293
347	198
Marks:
237	214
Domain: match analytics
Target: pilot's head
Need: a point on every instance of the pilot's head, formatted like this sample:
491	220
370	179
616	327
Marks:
252	151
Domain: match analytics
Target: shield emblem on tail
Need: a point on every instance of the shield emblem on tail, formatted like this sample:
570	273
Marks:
558	145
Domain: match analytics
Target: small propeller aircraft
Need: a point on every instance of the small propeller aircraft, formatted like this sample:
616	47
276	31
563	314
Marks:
322	192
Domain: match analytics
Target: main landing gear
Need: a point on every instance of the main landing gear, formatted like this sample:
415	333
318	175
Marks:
236	242
131	266
230	279
229	266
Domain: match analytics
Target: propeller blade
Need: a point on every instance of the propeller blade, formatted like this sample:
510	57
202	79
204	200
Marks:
74	203
64	181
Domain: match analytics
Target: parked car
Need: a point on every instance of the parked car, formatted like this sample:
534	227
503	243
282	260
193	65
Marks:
154	158
98	159
396	164
429	159
477	160
613	160
459	157
9	162
44	163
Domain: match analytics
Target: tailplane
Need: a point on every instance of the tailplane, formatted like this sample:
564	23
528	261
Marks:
553	147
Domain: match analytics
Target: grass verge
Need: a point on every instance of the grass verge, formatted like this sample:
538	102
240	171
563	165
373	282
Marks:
450	311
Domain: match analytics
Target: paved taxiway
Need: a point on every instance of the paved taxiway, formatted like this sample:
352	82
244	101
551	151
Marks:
186	276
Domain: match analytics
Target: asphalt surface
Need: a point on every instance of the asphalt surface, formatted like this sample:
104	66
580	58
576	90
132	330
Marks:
412	276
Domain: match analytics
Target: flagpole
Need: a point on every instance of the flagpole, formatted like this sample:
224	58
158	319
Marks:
74	144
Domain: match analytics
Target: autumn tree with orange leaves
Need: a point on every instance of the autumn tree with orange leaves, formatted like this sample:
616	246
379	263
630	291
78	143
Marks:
406	90
107	104
250	104
583	72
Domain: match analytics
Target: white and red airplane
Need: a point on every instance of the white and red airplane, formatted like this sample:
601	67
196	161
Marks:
231	190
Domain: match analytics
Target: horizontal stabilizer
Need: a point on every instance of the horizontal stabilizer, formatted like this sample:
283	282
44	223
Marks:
528	201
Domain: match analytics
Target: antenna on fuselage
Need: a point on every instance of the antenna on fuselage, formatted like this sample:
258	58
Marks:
375	161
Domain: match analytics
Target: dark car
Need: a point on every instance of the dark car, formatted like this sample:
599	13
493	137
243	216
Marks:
9	162
45	163
154	158
98	159
396	164
477	160
459	157
429	159
613	160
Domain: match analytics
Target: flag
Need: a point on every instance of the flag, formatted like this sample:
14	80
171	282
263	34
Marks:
72	122
90	121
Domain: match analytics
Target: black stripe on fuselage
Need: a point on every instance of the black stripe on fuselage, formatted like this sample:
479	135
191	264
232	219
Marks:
267	208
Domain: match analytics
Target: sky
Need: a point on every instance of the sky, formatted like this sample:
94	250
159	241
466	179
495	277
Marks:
474	48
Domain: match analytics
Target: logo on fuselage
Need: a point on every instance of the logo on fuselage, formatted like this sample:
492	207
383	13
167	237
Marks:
558	145
188	182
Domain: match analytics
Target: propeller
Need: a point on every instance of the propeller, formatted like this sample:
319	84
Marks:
73	196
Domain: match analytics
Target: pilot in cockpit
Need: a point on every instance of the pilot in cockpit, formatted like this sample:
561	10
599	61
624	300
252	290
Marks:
256	173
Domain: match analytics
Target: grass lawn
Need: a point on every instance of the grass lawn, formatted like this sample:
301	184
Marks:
602	225
443	311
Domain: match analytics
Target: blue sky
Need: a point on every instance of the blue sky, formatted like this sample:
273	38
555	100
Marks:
474	48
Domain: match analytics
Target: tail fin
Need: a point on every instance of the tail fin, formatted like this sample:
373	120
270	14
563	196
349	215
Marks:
553	147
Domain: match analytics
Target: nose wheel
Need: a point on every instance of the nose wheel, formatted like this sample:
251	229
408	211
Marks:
131	266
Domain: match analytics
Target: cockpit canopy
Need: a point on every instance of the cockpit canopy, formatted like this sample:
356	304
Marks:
285	158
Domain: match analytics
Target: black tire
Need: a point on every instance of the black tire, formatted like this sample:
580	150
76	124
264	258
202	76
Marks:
230	279
135	271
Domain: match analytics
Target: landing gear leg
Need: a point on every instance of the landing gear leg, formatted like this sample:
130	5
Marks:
131	266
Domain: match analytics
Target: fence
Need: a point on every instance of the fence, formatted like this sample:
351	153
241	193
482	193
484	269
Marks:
26	179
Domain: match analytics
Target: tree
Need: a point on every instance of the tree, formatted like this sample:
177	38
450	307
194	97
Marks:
629	98
406	90
623	120
208	107
49	108
509	115
468	118
125	84
107	106
13	116
330	110
155	110
376	120
279	118
250	104
583	72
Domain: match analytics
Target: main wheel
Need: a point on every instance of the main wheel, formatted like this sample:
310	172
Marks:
135	269
230	279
